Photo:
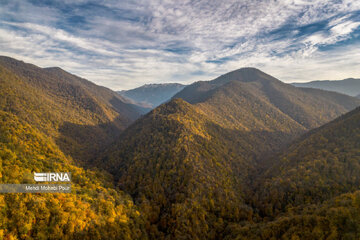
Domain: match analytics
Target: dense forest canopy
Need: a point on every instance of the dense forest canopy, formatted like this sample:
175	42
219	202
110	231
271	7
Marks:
244	156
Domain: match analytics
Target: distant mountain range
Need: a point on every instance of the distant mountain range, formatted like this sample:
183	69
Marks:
349	86
152	95
243	156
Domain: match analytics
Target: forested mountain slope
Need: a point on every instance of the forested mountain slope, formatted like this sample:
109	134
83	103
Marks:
250	100
311	191
94	209
186	173
336	218
205	165
323	164
48	118
80	116
241	95
189	166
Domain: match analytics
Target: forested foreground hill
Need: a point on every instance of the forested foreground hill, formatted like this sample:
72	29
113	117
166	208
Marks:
337	218
94	209
80	116
49	121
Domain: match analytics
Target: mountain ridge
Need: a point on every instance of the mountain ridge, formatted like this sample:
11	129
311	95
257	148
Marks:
152	95
223	159
58	103
35	106
272	91
177	172
204	150
348	86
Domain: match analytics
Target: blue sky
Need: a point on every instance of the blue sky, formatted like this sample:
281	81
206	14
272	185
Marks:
124	44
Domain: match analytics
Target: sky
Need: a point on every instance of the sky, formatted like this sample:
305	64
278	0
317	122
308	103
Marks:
125	44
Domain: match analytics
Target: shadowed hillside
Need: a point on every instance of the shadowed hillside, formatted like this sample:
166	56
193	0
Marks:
322	164
311	190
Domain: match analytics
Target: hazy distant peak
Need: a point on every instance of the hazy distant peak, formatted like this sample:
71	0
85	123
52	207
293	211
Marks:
161	84
349	86
155	85
153	94
329	81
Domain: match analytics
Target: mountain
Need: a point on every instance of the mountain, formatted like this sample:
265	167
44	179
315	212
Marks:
152	95
311	190
183	170
322	164
250	99
189	164
94	209
243	156
52	121
80	116
349	86
358	96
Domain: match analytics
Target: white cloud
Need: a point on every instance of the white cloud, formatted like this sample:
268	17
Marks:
344	28
126	44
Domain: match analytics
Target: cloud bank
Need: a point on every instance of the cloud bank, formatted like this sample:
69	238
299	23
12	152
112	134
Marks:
124	44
